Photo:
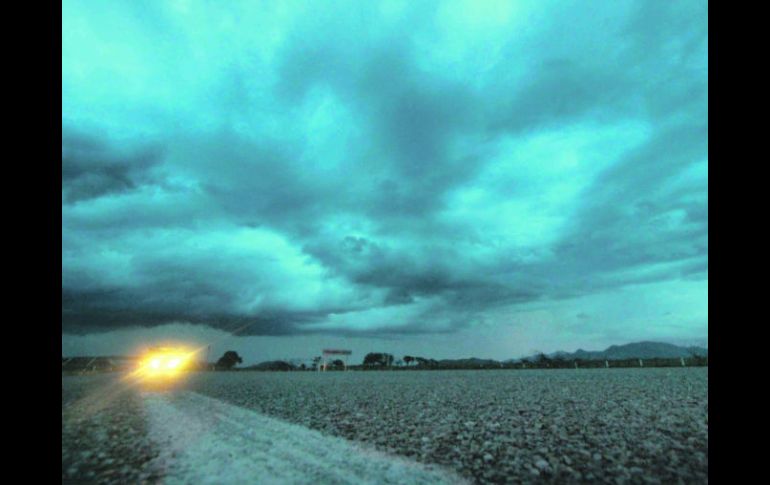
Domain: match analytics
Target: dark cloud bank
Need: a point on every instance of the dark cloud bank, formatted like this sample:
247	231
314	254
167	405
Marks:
361	196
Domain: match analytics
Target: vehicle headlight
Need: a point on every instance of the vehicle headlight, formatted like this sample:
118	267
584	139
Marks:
163	364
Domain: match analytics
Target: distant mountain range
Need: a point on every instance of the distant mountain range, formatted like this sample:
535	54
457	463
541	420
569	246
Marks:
636	350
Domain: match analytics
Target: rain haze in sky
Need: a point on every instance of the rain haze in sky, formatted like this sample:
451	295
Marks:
448	179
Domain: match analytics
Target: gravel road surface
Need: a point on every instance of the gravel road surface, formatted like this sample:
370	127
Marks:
104	433
206	441
509	426
540	426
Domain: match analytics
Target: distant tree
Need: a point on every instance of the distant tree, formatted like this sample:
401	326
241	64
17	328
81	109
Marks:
338	364
378	359
399	362
372	358
316	362
302	366
229	360
408	359
421	361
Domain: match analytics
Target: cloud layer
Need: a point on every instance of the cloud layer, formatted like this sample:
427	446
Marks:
379	168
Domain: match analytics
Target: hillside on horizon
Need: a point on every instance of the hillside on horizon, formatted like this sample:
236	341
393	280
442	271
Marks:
634	350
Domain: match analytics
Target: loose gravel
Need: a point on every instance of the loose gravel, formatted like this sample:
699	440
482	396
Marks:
206	441
104	436
508	426
530	426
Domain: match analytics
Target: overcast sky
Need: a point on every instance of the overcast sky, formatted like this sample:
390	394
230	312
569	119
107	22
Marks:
481	178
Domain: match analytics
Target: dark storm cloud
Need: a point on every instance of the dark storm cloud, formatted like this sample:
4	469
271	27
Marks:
562	90
92	168
103	310
410	119
258	182
625	221
410	274
413	172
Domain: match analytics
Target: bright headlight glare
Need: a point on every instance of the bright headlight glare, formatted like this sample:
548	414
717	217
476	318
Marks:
164	363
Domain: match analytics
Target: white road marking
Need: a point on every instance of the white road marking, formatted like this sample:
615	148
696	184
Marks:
204	440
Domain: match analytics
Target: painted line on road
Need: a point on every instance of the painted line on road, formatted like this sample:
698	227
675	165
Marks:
204	440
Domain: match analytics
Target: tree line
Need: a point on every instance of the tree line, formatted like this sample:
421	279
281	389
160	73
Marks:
385	361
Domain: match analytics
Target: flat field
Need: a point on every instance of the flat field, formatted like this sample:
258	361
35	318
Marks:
507	426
